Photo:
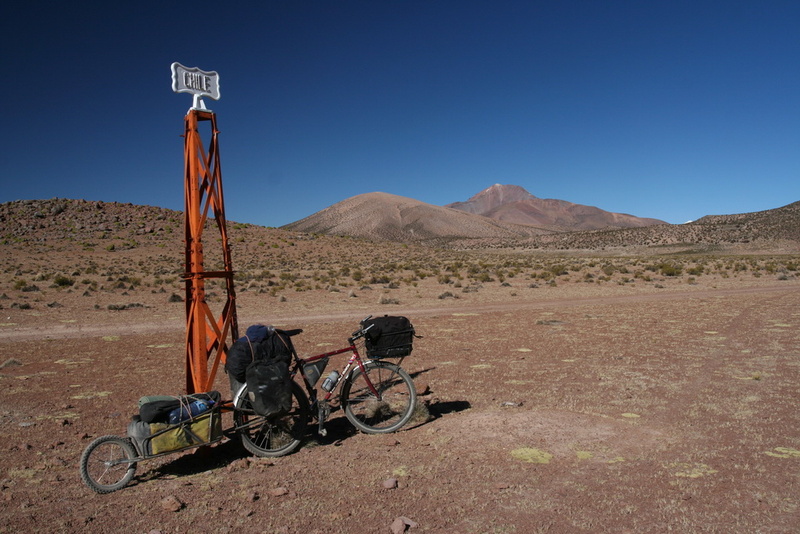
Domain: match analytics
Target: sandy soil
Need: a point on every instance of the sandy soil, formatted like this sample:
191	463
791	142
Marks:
563	409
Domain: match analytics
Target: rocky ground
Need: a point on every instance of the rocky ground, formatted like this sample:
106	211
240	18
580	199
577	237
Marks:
561	410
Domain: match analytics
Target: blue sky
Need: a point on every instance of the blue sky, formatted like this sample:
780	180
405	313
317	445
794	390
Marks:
665	109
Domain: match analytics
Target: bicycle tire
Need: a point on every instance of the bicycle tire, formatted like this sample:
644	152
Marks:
272	436
106	464
398	398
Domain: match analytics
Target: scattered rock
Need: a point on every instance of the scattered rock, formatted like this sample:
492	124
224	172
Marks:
390	483
509	404
278	492
171	504
401	524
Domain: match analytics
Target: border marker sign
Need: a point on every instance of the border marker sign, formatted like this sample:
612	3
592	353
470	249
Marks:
195	82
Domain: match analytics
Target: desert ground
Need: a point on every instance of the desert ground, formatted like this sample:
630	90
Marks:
568	395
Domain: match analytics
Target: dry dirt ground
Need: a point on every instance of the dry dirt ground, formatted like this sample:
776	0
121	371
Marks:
576	408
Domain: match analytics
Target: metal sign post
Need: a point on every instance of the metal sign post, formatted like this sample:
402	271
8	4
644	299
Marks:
206	334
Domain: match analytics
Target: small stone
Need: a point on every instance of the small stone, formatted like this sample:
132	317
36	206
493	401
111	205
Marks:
390	483
401	524
171	504
278	492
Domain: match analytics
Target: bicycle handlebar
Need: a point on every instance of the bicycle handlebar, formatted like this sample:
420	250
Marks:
361	332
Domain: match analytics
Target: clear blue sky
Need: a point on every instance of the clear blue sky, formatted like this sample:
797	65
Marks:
666	109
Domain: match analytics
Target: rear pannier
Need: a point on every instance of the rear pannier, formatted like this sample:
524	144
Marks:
389	337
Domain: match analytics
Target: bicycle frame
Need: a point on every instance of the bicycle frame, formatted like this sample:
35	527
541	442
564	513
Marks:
355	359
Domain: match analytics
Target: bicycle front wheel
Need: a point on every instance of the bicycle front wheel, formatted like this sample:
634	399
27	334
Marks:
275	435
390	409
107	464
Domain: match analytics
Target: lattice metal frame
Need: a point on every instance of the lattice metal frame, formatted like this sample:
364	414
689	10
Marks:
206	334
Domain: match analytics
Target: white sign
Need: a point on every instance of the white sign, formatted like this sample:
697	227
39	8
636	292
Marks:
196	82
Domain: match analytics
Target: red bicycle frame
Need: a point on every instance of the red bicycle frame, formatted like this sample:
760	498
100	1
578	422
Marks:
354	358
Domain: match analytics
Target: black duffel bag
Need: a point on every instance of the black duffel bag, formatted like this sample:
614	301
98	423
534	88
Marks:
389	336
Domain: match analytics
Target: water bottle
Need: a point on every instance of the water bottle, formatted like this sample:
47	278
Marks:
331	381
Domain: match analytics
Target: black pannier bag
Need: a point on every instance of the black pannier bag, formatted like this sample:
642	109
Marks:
390	337
269	387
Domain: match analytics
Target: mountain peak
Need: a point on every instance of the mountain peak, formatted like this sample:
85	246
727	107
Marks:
513	204
502	194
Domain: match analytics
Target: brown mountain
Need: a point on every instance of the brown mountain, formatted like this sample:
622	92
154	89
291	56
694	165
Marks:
513	204
394	218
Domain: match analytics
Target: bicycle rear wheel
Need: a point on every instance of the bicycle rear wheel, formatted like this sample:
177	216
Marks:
276	435
106	464
393	406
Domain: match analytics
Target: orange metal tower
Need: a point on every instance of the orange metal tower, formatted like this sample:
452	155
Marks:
206	334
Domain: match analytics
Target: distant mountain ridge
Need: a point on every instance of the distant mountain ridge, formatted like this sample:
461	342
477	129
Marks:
96	228
394	218
513	204
500	212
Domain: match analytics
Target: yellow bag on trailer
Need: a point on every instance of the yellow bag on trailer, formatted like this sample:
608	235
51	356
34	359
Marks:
201	429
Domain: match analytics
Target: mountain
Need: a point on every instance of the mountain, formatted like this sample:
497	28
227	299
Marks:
389	217
513	204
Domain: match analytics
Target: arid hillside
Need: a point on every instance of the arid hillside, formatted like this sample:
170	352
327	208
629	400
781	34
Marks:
61	254
388	217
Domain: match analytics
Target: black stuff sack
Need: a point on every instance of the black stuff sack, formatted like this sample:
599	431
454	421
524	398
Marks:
389	337
246	350
269	387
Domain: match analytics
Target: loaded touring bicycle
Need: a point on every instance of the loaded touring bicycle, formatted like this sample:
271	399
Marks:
377	396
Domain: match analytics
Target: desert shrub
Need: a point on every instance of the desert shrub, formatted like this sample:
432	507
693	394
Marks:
670	269
63	281
695	271
484	277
